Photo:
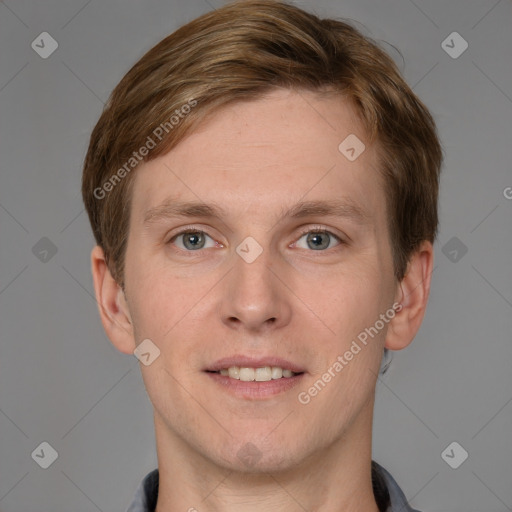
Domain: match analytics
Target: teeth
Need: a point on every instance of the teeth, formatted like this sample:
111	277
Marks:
234	372
277	372
262	374
247	374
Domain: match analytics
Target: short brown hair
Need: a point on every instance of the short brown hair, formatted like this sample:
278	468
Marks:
237	53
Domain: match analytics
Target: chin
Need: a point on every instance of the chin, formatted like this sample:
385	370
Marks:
261	463
247	456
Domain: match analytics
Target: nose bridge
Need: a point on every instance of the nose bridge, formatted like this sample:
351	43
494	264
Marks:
254	262
254	295
252	277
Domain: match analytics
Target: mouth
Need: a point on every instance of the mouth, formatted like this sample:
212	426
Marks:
259	374
251	378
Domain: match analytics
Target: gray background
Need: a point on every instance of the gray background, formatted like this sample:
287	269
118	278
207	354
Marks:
61	381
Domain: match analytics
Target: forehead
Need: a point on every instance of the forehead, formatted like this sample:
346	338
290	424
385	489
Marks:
266	152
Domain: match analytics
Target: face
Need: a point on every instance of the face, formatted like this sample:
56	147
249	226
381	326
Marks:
266	278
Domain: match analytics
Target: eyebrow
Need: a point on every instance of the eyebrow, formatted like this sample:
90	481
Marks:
345	208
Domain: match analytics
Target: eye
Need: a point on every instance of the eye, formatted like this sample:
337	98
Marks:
193	240
318	239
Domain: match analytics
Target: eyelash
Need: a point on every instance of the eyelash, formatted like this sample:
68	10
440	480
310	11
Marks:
314	229
322	231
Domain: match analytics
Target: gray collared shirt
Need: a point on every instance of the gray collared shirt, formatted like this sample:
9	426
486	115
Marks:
147	493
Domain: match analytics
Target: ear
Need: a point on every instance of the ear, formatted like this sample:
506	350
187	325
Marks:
412	294
112	304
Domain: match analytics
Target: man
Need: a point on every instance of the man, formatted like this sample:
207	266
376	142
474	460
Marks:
262	187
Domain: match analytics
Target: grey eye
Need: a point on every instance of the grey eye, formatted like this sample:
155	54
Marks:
318	240
192	240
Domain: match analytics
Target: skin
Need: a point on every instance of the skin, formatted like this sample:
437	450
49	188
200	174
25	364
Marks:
303	304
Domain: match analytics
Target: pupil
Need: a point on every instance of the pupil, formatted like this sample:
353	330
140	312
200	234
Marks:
318	240
194	239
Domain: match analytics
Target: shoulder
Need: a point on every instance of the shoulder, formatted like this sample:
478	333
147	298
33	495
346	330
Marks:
397	497
146	495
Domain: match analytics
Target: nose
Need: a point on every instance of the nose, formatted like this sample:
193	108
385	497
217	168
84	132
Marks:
255	297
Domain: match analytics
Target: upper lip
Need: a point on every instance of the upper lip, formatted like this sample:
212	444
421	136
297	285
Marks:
253	362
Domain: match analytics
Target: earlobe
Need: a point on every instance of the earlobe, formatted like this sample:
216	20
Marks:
413	297
112	305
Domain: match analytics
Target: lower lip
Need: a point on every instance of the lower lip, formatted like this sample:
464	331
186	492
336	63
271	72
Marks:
254	390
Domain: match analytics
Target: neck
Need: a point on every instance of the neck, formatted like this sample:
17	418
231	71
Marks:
334	478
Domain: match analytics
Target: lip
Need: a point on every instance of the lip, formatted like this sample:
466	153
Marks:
251	362
254	390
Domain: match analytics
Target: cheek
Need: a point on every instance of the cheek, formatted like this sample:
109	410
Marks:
159	300
350	297
350	304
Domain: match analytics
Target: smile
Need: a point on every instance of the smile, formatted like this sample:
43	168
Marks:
261	374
